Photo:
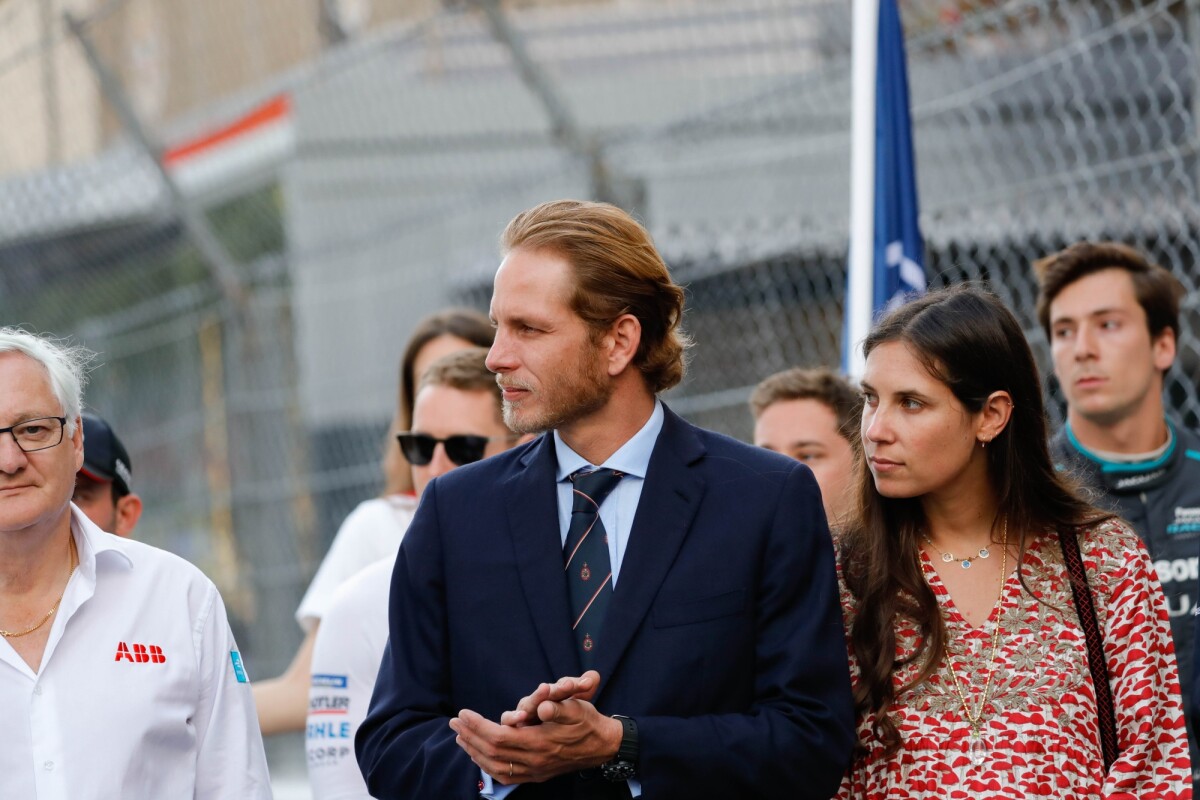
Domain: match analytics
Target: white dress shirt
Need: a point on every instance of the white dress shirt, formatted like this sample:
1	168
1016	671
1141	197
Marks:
141	692
345	663
616	512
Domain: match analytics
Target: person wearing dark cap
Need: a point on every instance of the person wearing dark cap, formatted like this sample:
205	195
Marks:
102	485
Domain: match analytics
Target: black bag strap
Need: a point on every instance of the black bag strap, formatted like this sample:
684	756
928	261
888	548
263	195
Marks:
1095	645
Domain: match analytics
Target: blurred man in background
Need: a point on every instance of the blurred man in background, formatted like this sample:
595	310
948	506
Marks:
456	420
812	416
1112	318
374	528
102	485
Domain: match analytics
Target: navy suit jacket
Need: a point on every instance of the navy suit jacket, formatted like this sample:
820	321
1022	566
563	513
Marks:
723	639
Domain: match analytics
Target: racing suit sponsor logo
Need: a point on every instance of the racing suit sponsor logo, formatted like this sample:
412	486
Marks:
325	704
1178	571
1187	520
1139	480
328	741
324	731
329	681
328	755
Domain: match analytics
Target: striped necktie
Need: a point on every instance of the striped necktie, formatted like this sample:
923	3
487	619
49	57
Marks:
585	557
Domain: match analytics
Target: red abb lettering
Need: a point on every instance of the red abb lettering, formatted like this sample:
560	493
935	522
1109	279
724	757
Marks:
140	653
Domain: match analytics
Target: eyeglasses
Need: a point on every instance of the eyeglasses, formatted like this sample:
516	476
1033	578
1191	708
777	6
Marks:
37	434
462	448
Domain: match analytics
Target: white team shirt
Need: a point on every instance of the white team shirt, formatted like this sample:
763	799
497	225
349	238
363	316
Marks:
345	662
141	692
370	532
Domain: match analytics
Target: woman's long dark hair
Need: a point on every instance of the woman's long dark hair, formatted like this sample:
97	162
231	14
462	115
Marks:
967	339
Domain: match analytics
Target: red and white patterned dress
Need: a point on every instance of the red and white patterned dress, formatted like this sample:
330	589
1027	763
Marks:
1040	718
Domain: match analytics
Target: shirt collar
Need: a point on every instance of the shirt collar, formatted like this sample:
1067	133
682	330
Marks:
1125	463
91	542
633	457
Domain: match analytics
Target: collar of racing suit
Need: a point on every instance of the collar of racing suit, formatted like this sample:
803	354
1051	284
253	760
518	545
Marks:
1126	477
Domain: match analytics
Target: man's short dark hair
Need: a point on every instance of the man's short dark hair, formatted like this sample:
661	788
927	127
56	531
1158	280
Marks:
817	383
1158	292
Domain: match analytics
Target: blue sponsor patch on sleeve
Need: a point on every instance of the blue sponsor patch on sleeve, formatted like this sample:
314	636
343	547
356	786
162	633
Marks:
239	669
329	681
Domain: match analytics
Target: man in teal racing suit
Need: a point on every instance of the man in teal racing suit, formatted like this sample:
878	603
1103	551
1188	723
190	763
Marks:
1112	318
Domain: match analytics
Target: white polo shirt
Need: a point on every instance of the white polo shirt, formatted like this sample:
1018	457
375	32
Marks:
141	691
345	663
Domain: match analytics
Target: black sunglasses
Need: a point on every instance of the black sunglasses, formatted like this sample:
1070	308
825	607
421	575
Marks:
462	448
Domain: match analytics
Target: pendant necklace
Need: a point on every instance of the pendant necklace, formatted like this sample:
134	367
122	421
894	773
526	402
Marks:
964	562
977	745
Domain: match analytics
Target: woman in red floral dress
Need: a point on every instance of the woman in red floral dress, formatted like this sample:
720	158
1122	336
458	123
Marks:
970	665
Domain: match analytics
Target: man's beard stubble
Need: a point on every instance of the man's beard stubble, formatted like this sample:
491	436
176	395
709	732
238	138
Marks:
584	390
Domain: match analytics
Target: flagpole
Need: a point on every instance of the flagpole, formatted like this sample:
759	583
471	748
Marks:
860	275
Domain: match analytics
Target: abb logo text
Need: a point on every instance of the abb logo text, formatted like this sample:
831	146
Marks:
140	653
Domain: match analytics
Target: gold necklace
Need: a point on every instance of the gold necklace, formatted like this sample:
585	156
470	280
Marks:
977	745
50	613
965	561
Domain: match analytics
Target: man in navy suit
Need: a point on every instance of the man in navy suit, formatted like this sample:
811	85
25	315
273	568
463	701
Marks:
628	605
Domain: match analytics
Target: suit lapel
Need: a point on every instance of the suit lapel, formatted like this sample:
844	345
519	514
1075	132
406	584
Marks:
670	498
537	550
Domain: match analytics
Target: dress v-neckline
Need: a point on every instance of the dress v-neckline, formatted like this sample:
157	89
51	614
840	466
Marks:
942	592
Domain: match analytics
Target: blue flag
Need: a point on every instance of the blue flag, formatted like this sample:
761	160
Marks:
899	248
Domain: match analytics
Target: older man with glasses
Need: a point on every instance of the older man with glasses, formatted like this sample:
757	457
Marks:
119	676
456	421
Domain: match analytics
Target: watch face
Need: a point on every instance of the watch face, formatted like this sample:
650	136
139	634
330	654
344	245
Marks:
618	770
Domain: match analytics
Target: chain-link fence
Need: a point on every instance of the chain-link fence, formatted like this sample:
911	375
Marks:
244	208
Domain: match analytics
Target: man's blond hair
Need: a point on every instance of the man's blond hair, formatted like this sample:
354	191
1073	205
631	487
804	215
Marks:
617	270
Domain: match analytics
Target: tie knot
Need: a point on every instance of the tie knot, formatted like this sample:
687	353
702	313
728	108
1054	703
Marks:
591	487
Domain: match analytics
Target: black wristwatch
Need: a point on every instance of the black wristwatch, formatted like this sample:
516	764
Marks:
623	765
